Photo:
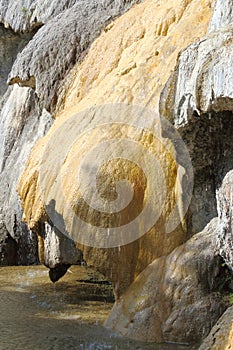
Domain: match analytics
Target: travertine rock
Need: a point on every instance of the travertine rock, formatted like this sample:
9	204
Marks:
10	44
221	336
25	15
64	201
225	206
20	126
128	63
135	55
54	55
222	16
198	100
203	79
58	249
173	298
45	62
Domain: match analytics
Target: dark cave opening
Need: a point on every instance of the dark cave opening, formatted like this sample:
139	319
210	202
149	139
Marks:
210	143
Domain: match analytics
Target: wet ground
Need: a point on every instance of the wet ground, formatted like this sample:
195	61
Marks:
38	315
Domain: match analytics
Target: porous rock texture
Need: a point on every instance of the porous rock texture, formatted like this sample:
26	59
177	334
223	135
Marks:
173	299
10	44
221	336
128	63
25	15
225	236
75	29
198	100
20	121
24	109
137	53
165	283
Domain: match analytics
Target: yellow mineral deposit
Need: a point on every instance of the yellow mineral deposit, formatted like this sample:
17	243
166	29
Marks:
129	63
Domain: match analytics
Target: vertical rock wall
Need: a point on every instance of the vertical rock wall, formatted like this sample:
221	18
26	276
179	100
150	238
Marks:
129	63
37	74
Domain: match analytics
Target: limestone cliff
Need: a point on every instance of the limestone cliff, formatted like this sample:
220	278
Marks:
174	298
221	336
39	70
125	64
157	68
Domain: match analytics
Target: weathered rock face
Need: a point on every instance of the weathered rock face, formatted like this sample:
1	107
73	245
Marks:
164	288
112	73
221	336
8	247
75	29
29	14
15	248
10	44
64	202
24	117
20	121
222	16
225	236
203	78
133	58
173	299
198	100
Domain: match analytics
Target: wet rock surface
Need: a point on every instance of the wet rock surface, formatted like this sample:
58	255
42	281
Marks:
198	100
225	234
107	77
166	285
23	115
175	298
221	336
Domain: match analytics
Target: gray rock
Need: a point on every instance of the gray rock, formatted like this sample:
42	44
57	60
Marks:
21	124
49	55
25	15
10	44
203	78
221	336
58	249
174	298
222	16
198	100
225	213
39	70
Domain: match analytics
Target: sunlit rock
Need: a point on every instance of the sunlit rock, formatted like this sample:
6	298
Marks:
129	63
174	298
38	70
221	336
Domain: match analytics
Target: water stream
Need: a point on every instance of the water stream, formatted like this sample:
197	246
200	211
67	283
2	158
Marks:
38	315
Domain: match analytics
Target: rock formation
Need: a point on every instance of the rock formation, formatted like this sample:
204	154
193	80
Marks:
112	78
174	298
225	236
39	70
105	79
221	336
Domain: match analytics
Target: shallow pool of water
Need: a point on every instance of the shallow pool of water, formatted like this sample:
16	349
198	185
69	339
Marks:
38	315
